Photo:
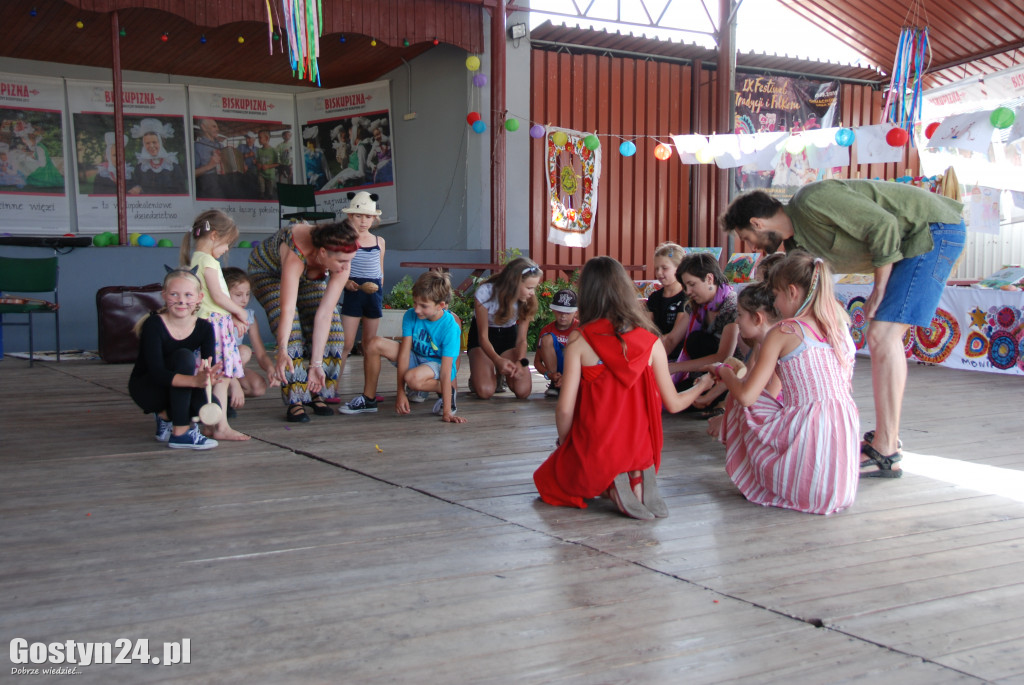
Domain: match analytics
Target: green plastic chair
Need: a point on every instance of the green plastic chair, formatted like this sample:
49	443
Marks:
301	197
29	276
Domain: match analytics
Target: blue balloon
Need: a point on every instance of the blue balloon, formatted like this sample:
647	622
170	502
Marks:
627	149
845	136
146	240
479	126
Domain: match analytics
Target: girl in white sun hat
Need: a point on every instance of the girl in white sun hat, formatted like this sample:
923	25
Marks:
363	301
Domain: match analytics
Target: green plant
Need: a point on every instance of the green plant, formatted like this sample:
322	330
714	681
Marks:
400	295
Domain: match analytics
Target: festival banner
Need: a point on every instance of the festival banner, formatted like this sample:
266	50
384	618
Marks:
33	177
238	140
573	174
972	328
348	146
778	104
155	146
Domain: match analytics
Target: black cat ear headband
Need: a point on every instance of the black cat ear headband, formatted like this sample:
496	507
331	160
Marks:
194	270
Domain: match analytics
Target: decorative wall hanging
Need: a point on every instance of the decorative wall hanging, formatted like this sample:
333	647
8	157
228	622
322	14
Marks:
573	174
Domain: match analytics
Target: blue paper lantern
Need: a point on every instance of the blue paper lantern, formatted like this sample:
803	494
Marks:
479	126
845	136
627	148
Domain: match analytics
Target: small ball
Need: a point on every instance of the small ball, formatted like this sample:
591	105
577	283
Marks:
164	242
146	240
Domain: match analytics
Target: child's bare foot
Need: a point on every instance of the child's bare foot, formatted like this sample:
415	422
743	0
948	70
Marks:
229	434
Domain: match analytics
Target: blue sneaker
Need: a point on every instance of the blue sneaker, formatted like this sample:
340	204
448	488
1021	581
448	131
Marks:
191	439
163	429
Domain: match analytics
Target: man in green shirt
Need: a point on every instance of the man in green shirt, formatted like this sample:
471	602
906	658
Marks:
910	238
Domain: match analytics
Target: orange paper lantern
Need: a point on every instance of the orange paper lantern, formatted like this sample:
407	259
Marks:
662	151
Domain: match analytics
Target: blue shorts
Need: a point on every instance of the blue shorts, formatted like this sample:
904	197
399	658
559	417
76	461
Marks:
916	283
359	304
434	365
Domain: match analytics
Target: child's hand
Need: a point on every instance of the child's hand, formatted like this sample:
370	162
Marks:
705	383
556	379
241	325
450	418
351	285
237	400
402	404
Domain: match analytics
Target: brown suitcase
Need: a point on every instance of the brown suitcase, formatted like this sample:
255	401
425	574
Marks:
118	307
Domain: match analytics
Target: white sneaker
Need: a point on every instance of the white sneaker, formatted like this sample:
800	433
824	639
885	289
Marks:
359	405
192	439
164	429
416	396
552	391
438	409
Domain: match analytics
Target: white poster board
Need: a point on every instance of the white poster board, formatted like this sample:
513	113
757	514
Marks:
155	145
237	138
33	166
347	146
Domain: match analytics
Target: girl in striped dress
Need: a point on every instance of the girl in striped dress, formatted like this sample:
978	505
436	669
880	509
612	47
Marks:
363	302
298	274
801	452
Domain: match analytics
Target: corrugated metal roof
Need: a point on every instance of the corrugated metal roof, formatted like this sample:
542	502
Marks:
46	30
968	37
552	35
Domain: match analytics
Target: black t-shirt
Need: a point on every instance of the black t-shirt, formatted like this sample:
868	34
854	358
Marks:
156	347
664	310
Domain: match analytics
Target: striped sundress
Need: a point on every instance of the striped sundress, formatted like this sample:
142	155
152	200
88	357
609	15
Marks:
265	275
803	452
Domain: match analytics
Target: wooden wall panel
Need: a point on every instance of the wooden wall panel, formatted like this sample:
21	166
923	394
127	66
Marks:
643	202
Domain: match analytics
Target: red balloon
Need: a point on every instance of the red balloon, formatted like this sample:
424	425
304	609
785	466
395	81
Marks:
897	137
472	118
930	130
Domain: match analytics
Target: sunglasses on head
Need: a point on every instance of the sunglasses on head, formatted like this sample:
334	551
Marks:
531	270
346	248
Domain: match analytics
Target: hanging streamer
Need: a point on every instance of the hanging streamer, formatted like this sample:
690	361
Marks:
301	26
906	92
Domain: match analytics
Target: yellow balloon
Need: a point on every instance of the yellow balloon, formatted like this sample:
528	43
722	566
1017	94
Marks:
134	238
472	62
559	138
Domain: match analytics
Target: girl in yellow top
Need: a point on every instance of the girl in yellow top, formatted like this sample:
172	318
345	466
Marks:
213	232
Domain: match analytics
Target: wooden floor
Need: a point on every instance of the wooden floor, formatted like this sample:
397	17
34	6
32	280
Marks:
385	549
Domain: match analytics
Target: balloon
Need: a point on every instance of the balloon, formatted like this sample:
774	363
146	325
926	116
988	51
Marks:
100	240
255	243
511	124
897	137
930	130
472	118
146	240
559	138
591	142
845	137
627	148
479	80
537	131
164	242
1002	117
245	243
133	239
662	151
472	62
479	126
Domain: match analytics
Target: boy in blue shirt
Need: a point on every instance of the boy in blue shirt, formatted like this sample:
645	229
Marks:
431	340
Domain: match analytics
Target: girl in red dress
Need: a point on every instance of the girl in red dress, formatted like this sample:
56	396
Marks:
609	409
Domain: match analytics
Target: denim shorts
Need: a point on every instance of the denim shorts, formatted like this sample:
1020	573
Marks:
559	351
434	365
916	283
359	304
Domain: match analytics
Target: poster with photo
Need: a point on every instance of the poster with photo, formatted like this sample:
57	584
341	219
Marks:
347	145
33	178
779	104
156	159
238	141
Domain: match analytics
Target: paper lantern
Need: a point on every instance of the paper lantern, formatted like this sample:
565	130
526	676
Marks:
845	137
165	37
537	131
627	148
245	243
472	118
79	25
706	155
164	242
559	138
1002	117
133	239
795	145
511	124
930	130
241	39
479	126
591	142
480	80
146	240
662	151
472	62
897	137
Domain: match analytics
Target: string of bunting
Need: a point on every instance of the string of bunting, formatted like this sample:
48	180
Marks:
302	28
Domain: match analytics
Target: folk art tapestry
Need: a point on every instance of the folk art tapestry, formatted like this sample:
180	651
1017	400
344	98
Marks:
573	174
